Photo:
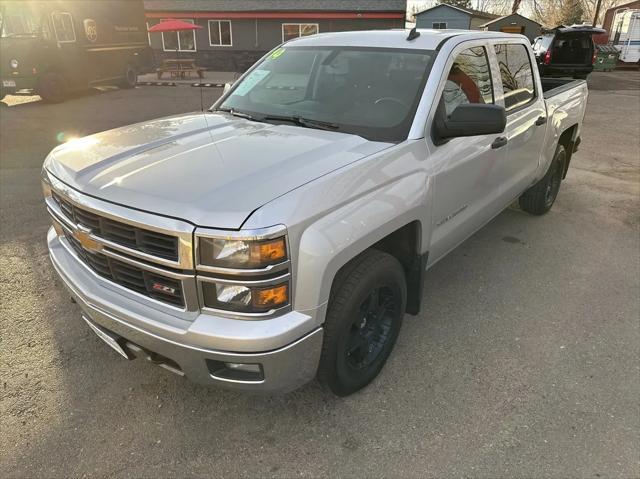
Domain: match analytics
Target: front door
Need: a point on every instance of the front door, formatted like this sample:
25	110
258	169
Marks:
466	171
70	55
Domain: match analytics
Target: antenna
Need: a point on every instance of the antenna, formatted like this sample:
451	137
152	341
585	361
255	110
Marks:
413	34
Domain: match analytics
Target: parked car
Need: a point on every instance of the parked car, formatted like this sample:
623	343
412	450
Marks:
566	51
54	48
285	233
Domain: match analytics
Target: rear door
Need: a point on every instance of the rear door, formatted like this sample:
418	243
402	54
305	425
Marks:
526	116
572	50
466	171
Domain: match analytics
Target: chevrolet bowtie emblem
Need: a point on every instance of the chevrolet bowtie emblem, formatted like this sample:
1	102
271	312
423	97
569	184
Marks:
83	235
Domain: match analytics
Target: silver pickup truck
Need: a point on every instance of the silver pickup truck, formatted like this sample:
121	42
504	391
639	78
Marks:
284	233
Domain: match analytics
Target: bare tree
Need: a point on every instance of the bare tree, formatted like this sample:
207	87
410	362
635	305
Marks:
497	7
550	12
515	6
458	3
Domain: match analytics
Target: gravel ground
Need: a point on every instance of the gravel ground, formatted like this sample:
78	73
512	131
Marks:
524	363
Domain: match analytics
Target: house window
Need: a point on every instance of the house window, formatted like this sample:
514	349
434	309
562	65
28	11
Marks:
63	26
439	25
183	41
220	33
295	30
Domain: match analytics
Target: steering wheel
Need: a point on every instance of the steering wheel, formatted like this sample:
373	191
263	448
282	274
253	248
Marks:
392	100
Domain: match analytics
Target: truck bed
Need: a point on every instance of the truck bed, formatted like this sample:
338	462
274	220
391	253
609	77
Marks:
554	86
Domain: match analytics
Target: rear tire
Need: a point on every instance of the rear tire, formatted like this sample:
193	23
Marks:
130	78
367	303
52	88
539	199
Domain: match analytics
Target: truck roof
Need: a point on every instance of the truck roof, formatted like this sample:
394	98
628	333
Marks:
429	39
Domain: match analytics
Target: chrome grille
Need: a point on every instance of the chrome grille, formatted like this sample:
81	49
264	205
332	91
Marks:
146	241
130	276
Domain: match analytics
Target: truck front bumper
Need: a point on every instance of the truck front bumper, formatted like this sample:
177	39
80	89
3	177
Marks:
181	346
11	84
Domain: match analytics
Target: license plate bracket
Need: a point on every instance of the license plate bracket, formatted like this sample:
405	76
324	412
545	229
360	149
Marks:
9	83
108	337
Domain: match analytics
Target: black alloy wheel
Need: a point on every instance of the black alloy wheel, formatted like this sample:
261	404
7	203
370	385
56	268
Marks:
367	303
370	330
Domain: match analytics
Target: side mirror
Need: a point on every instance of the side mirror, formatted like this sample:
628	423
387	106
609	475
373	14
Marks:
468	120
227	87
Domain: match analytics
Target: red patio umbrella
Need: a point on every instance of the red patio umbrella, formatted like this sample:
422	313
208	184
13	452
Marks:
173	25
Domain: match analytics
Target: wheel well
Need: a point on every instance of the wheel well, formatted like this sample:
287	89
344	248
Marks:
404	245
568	140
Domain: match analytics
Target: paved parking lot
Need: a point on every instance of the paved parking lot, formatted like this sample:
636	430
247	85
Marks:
524	362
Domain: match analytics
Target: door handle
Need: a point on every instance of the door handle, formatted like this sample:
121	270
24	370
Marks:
499	142
541	120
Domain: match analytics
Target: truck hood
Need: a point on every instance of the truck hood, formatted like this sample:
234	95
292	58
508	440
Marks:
206	168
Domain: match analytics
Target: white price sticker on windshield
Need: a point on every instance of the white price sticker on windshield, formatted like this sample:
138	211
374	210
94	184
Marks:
251	80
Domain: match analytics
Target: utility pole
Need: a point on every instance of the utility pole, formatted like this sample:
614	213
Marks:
516	5
595	17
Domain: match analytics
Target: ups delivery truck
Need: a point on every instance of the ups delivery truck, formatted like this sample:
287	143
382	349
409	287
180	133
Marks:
54	47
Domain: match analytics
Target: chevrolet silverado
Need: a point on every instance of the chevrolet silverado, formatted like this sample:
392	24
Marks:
284	233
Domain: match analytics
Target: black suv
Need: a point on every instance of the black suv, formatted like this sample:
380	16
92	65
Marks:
566	51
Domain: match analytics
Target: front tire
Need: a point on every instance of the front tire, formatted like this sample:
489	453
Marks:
130	78
367	303
53	88
539	199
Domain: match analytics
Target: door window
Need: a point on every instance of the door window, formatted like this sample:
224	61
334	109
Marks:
469	80
516	75
63	26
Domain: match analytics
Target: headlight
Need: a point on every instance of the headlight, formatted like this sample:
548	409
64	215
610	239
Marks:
241	253
46	183
244	298
14	63
245	273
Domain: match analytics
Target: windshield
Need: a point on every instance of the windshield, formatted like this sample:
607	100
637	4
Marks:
371	92
18	21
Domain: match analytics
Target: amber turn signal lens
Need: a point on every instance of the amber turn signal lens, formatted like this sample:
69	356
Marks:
271	297
268	252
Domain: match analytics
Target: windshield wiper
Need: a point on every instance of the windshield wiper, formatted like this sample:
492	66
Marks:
296	120
300	121
234	112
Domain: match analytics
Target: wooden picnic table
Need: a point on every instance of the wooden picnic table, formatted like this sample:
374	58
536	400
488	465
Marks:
179	68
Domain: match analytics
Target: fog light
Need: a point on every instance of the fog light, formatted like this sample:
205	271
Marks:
245	372
253	368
